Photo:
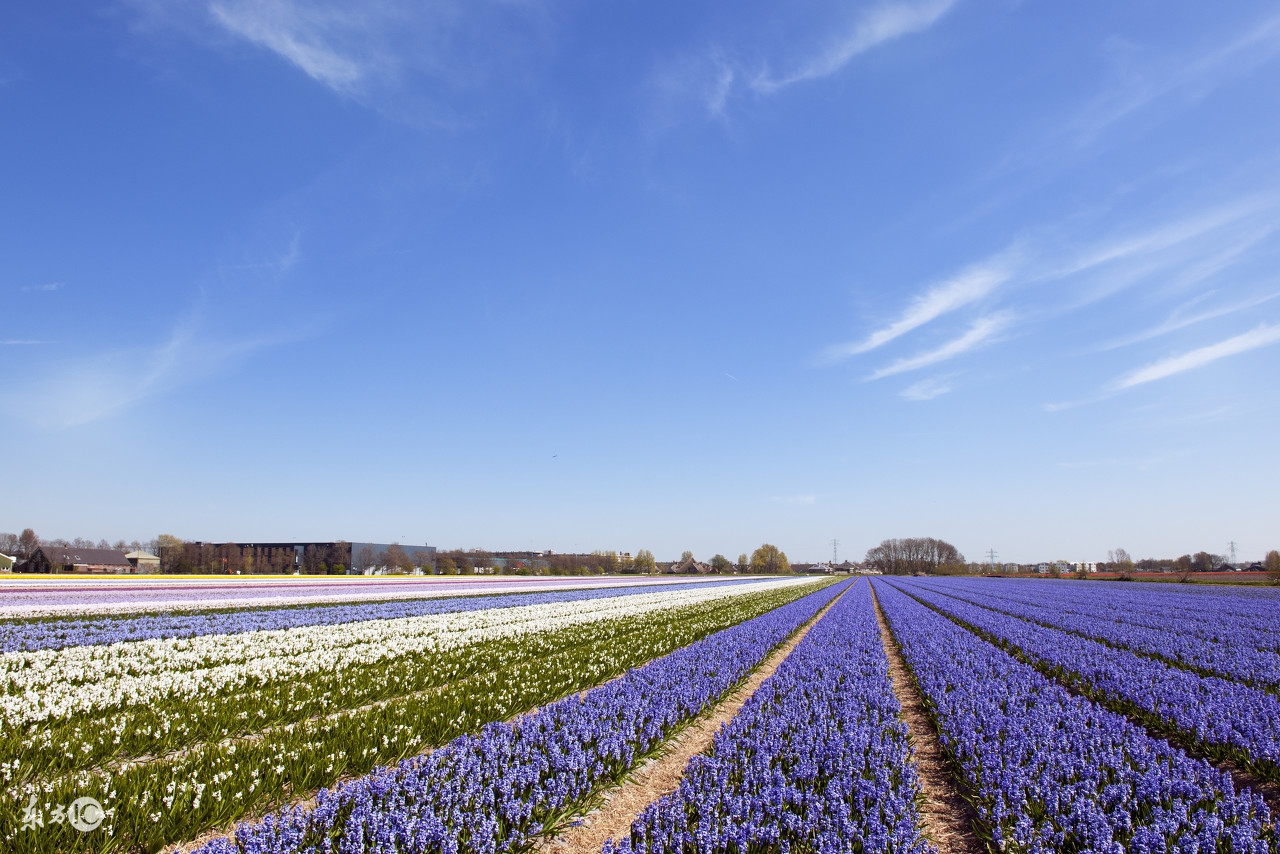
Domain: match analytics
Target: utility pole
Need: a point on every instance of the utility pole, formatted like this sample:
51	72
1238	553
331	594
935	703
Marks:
835	555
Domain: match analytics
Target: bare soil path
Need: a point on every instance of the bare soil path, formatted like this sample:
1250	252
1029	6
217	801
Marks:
946	818
661	775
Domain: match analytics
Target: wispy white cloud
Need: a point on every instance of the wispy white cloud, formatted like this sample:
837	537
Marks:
1178	321
18	342
285	261
48	287
423	63
980	332
706	80
300	34
870	29
91	388
968	286
925	390
1190	77
1262	336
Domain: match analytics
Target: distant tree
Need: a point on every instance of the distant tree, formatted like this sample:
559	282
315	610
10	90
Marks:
720	565
769	560
1272	564
1202	562
446	566
644	562
9	544
686	555
910	555
1122	563
607	561
422	560
366	558
169	549
744	563
1182	566
397	560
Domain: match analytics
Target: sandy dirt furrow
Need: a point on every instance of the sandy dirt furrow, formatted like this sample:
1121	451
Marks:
661	774
946	818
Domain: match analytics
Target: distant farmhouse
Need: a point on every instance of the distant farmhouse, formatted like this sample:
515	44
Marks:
52	559
143	561
689	566
7	562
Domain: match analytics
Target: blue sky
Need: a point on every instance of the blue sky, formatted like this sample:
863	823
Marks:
531	274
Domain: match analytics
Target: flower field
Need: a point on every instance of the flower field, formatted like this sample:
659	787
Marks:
1072	716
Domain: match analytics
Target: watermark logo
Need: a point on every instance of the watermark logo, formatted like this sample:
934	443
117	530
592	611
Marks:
84	814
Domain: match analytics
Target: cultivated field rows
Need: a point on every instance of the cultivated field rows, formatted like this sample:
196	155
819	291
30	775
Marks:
1062	726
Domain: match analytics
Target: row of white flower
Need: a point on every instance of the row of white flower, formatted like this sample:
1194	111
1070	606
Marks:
52	684
193	597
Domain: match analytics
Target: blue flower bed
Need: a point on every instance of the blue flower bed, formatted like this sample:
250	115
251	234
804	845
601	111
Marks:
499	790
61	633
1223	636
817	760
1225	718
1048	771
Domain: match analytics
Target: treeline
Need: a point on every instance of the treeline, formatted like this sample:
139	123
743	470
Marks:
24	545
911	555
182	557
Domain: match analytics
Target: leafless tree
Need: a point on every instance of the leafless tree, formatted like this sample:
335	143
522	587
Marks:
914	554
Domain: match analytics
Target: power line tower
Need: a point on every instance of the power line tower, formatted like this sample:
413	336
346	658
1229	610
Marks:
835	552
1232	546
991	555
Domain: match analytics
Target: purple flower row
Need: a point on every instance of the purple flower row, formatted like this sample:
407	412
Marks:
817	760
1048	771
61	633
500	789
1211	640
1226	718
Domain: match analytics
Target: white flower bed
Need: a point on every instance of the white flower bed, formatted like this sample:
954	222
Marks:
48	684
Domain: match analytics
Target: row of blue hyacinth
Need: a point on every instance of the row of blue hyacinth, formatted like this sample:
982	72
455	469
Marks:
499	790
62	633
1224	718
1048	771
1218	632
817	760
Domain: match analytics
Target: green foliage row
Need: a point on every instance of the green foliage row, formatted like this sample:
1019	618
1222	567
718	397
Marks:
214	783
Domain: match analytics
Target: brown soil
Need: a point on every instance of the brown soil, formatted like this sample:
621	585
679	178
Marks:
309	802
1243	779
661	774
946	818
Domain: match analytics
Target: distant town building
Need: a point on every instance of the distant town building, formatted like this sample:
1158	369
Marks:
7	562
53	559
143	561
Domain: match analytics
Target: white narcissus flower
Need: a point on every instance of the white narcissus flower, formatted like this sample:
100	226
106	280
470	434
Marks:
55	684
